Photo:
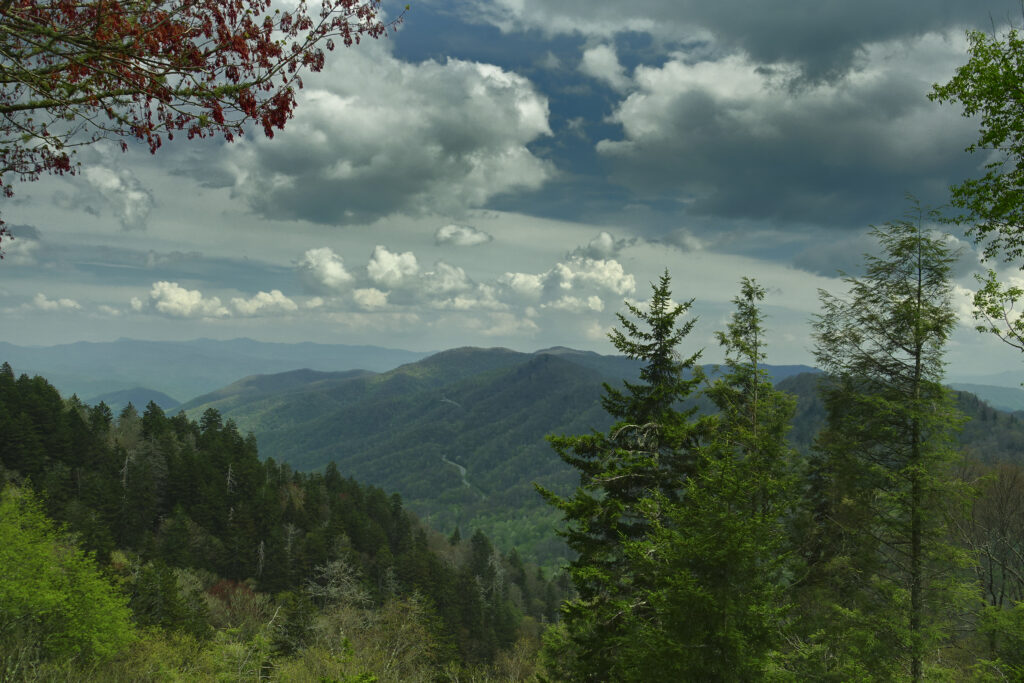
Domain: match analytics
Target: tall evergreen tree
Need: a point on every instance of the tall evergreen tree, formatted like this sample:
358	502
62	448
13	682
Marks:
650	450
883	560
715	560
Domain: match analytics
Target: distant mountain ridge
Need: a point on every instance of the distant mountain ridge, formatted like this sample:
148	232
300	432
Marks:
1010	399
137	396
461	434
186	369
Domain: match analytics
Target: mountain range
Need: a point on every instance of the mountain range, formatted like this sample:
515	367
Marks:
184	369
461	434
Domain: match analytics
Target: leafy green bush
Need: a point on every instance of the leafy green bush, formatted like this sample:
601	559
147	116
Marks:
53	599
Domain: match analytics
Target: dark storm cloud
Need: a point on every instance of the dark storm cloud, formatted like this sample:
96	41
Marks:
27	232
726	141
823	37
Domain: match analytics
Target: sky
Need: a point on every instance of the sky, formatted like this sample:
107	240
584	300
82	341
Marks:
509	172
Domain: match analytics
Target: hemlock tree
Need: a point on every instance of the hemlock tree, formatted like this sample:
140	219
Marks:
715	561
650	450
885	566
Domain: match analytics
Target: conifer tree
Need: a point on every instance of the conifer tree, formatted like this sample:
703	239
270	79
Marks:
715	560
882	565
650	450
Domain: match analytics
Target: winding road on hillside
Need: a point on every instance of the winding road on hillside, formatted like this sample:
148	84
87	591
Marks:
462	473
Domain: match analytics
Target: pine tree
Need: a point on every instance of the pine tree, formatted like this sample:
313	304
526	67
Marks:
715	560
882	562
650	450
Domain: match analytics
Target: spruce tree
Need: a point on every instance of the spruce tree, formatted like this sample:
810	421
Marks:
716	560
650	450
881	566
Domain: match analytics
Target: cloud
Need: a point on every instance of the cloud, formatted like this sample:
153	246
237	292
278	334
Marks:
595	331
156	259
602	273
502	324
108	310
483	298
171	299
20	248
129	200
573	304
445	279
43	304
823	43
370	298
373	136
524	284
461	236
391	269
265	303
324	271
963	303
600	62
733	138
603	246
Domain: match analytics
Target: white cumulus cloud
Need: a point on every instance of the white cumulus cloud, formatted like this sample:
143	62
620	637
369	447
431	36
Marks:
43	304
445	278
170	298
524	284
324	271
461	235
603	273
265	303
600	62
573	304
370	298
130	201
391	269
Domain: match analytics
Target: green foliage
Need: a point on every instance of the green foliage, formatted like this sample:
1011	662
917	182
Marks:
192	521
52	595
1004	630
994	309
988	87
648	452
883	583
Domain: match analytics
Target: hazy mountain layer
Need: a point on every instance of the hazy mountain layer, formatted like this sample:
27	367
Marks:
183	370
137	396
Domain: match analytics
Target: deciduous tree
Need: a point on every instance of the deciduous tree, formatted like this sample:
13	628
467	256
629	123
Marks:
76	71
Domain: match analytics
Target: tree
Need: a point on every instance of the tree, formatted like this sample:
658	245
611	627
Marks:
716	559
988	85
650	450
884	459
78	71
53	598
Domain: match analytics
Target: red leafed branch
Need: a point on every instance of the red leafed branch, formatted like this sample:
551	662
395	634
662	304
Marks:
76	71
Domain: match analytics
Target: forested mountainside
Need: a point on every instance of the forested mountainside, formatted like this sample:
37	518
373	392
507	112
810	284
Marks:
185	369
461	434
987	435
137	396
243	561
